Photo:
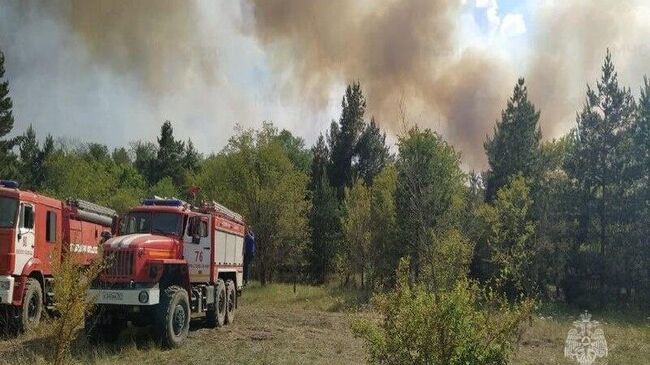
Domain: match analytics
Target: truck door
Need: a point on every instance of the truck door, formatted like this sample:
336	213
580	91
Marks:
47	252
196	248
25	237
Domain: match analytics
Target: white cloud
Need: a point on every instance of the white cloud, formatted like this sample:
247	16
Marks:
485	3
512	25
491	11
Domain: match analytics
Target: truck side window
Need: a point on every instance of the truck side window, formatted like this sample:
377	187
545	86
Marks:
27	217
204	229
50	224
194	229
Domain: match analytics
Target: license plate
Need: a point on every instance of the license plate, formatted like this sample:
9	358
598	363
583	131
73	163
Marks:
112	296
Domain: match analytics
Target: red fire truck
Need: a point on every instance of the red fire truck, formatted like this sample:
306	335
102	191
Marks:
170	263
34	232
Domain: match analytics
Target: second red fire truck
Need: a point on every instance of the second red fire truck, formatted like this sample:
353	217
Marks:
35	230
170	263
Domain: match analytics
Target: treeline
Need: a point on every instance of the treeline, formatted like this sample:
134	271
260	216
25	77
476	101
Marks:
565	219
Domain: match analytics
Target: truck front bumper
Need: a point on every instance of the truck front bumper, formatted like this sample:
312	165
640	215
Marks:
130	296
7	283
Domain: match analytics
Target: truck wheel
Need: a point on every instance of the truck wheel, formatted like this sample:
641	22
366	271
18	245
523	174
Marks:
231	294
100	326
216	314
32	309
173	317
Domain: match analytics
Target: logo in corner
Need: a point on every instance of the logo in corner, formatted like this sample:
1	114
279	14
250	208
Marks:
585	342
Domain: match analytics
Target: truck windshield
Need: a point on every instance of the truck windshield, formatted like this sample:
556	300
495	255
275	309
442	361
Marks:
8	209
156	223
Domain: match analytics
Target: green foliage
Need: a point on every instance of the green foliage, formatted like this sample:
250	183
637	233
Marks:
164	188
355	251
514	147
463	325
384	252
191	158
8	168
429	193
600	164
344	137
357	148
449	258
641	138
95	151
70	175
121	156
555	204
324	217
32	159
253	175
170	155
511	239
294	146
145	158
72	279
372	152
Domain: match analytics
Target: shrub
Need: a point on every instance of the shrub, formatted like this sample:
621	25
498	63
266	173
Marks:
71	302
464	325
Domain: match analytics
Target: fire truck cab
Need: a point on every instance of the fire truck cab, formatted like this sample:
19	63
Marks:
170	263
35	231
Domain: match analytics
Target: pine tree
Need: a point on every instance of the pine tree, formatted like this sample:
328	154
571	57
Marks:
324	219
191	158
600	159
170	155
8	168
514	147
145	159
48	146
372	152
30	160
642	137
344	138
641	198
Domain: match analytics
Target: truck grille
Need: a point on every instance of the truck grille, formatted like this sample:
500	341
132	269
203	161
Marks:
120	263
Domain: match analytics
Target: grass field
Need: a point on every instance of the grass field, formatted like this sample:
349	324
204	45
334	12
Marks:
276	326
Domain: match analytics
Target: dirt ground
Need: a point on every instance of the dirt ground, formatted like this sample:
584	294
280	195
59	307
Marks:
272	326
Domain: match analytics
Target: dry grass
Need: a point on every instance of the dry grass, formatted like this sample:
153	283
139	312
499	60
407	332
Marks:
276	326
627	335
273	326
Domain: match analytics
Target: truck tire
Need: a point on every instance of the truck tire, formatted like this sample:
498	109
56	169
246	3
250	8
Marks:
173	317
30	313
102	327
231	294
216	314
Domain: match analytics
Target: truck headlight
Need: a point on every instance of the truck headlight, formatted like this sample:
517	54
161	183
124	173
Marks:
143	297
4	285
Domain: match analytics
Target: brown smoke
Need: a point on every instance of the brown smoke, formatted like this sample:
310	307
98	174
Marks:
400	50
176	54
158	41
405	50
570	46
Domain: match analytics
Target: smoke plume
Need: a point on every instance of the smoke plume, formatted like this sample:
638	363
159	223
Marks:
408	50
113	70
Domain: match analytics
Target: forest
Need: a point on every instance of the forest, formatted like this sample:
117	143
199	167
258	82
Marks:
563	220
